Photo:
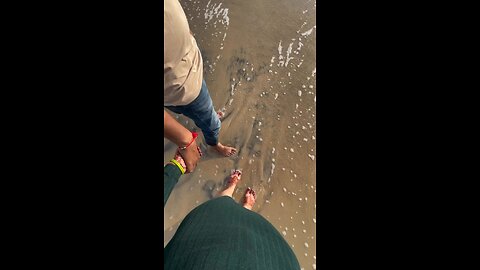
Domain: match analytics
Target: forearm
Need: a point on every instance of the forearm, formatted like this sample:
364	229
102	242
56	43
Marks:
174	131
171	174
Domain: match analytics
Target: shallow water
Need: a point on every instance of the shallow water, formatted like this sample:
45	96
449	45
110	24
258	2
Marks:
259	64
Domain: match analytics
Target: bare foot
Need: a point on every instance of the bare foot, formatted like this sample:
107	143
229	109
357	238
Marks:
232	183
249	198
225	150
234	178
220	115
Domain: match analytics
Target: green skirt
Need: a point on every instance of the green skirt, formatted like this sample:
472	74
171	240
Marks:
221	234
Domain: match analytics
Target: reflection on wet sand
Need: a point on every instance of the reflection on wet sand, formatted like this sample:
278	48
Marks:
259	65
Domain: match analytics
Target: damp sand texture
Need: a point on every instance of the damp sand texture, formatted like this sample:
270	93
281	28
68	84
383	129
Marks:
259	65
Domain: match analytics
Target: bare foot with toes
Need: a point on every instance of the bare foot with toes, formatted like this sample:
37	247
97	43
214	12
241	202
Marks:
234	178
249	198
225	151
232	183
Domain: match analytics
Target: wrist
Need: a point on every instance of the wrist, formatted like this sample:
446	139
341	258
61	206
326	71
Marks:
180	165
191	141
184	139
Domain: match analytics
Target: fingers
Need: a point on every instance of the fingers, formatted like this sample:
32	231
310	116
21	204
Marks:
178	155
190	167
191	155
192	163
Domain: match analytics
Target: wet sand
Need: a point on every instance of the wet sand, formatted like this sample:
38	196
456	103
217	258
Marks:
259	63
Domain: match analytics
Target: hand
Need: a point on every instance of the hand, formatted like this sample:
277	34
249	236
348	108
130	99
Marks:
180	160
191	155
181	136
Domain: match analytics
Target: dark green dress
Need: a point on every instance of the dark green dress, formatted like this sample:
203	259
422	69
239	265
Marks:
222	234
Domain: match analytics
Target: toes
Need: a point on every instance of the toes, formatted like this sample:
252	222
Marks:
236	173
227	151
250	196
251	192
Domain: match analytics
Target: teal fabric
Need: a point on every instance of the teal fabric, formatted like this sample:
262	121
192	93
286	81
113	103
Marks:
220	234
171	174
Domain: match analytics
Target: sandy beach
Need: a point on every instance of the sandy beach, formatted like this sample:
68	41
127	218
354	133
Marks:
259	65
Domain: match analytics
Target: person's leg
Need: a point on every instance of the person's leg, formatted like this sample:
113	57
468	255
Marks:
202	112
231	184
249	198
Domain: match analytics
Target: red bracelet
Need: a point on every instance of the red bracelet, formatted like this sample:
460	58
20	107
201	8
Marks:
195	135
